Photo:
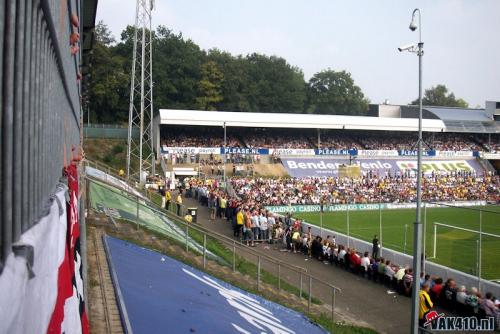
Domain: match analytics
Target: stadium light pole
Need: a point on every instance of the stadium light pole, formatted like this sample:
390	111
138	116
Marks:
417	230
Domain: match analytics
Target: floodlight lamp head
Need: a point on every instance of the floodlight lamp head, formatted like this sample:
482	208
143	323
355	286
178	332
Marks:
413	24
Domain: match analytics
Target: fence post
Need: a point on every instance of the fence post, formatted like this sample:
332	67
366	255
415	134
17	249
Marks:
347	218
310	294
137	213
380	227
300	289
258	274
187	236
204	250
479	260
435	240
424	258
333	305
279	276
234	256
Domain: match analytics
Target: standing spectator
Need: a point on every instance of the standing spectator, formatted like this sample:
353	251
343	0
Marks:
162	194
263	227
179	203
249	229
376	247
239	222
425	303
168	199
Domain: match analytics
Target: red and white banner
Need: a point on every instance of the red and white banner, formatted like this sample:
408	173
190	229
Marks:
69	313
51	301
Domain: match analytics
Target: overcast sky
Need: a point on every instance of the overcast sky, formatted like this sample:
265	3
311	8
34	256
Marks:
462	39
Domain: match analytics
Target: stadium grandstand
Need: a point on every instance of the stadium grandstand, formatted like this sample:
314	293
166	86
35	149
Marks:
387	127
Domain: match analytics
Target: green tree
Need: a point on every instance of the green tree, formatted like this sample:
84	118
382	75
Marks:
439	96
273	85
331	92
108	81
210	86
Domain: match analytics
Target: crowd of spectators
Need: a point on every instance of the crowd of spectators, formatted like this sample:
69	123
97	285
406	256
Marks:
270	138
451	142
197	137
339	141
252	224
367	189
399	279
302	139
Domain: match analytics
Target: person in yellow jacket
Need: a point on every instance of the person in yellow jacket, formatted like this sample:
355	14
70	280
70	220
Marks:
168	199
188	218
179	203
425	303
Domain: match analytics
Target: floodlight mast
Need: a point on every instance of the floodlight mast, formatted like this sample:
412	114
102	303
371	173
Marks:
417	230
140	149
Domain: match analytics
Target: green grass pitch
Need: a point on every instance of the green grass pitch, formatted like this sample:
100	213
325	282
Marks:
455	248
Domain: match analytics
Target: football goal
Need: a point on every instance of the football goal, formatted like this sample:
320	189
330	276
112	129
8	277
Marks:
465	248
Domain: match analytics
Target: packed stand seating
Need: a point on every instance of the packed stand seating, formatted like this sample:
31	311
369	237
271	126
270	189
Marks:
276	138
491	143
367	189
388	140
451	142
339	140
192	136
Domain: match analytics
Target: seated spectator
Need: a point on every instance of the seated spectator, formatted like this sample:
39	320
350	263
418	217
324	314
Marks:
472	300
489	307
461	300
408	281
355	261
436	289
342	254
365	262
448	294
389	273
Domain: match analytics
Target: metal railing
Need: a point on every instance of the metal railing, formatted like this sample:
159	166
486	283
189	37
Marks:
39	109
297	277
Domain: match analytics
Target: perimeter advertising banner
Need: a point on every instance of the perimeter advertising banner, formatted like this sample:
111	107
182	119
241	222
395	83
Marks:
313	167
364	207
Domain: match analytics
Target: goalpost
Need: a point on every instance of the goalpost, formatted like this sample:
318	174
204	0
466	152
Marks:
478	242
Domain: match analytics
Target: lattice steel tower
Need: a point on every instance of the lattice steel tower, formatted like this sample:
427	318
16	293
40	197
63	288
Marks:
140	155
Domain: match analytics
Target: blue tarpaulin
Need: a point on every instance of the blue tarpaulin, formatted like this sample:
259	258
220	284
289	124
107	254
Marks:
161	295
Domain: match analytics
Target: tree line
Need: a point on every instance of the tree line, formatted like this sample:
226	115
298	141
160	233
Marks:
187	77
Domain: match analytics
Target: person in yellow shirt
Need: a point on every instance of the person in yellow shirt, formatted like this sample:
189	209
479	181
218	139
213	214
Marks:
222	204
425	303
121	173
188	218
179	203
239	223
168	199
